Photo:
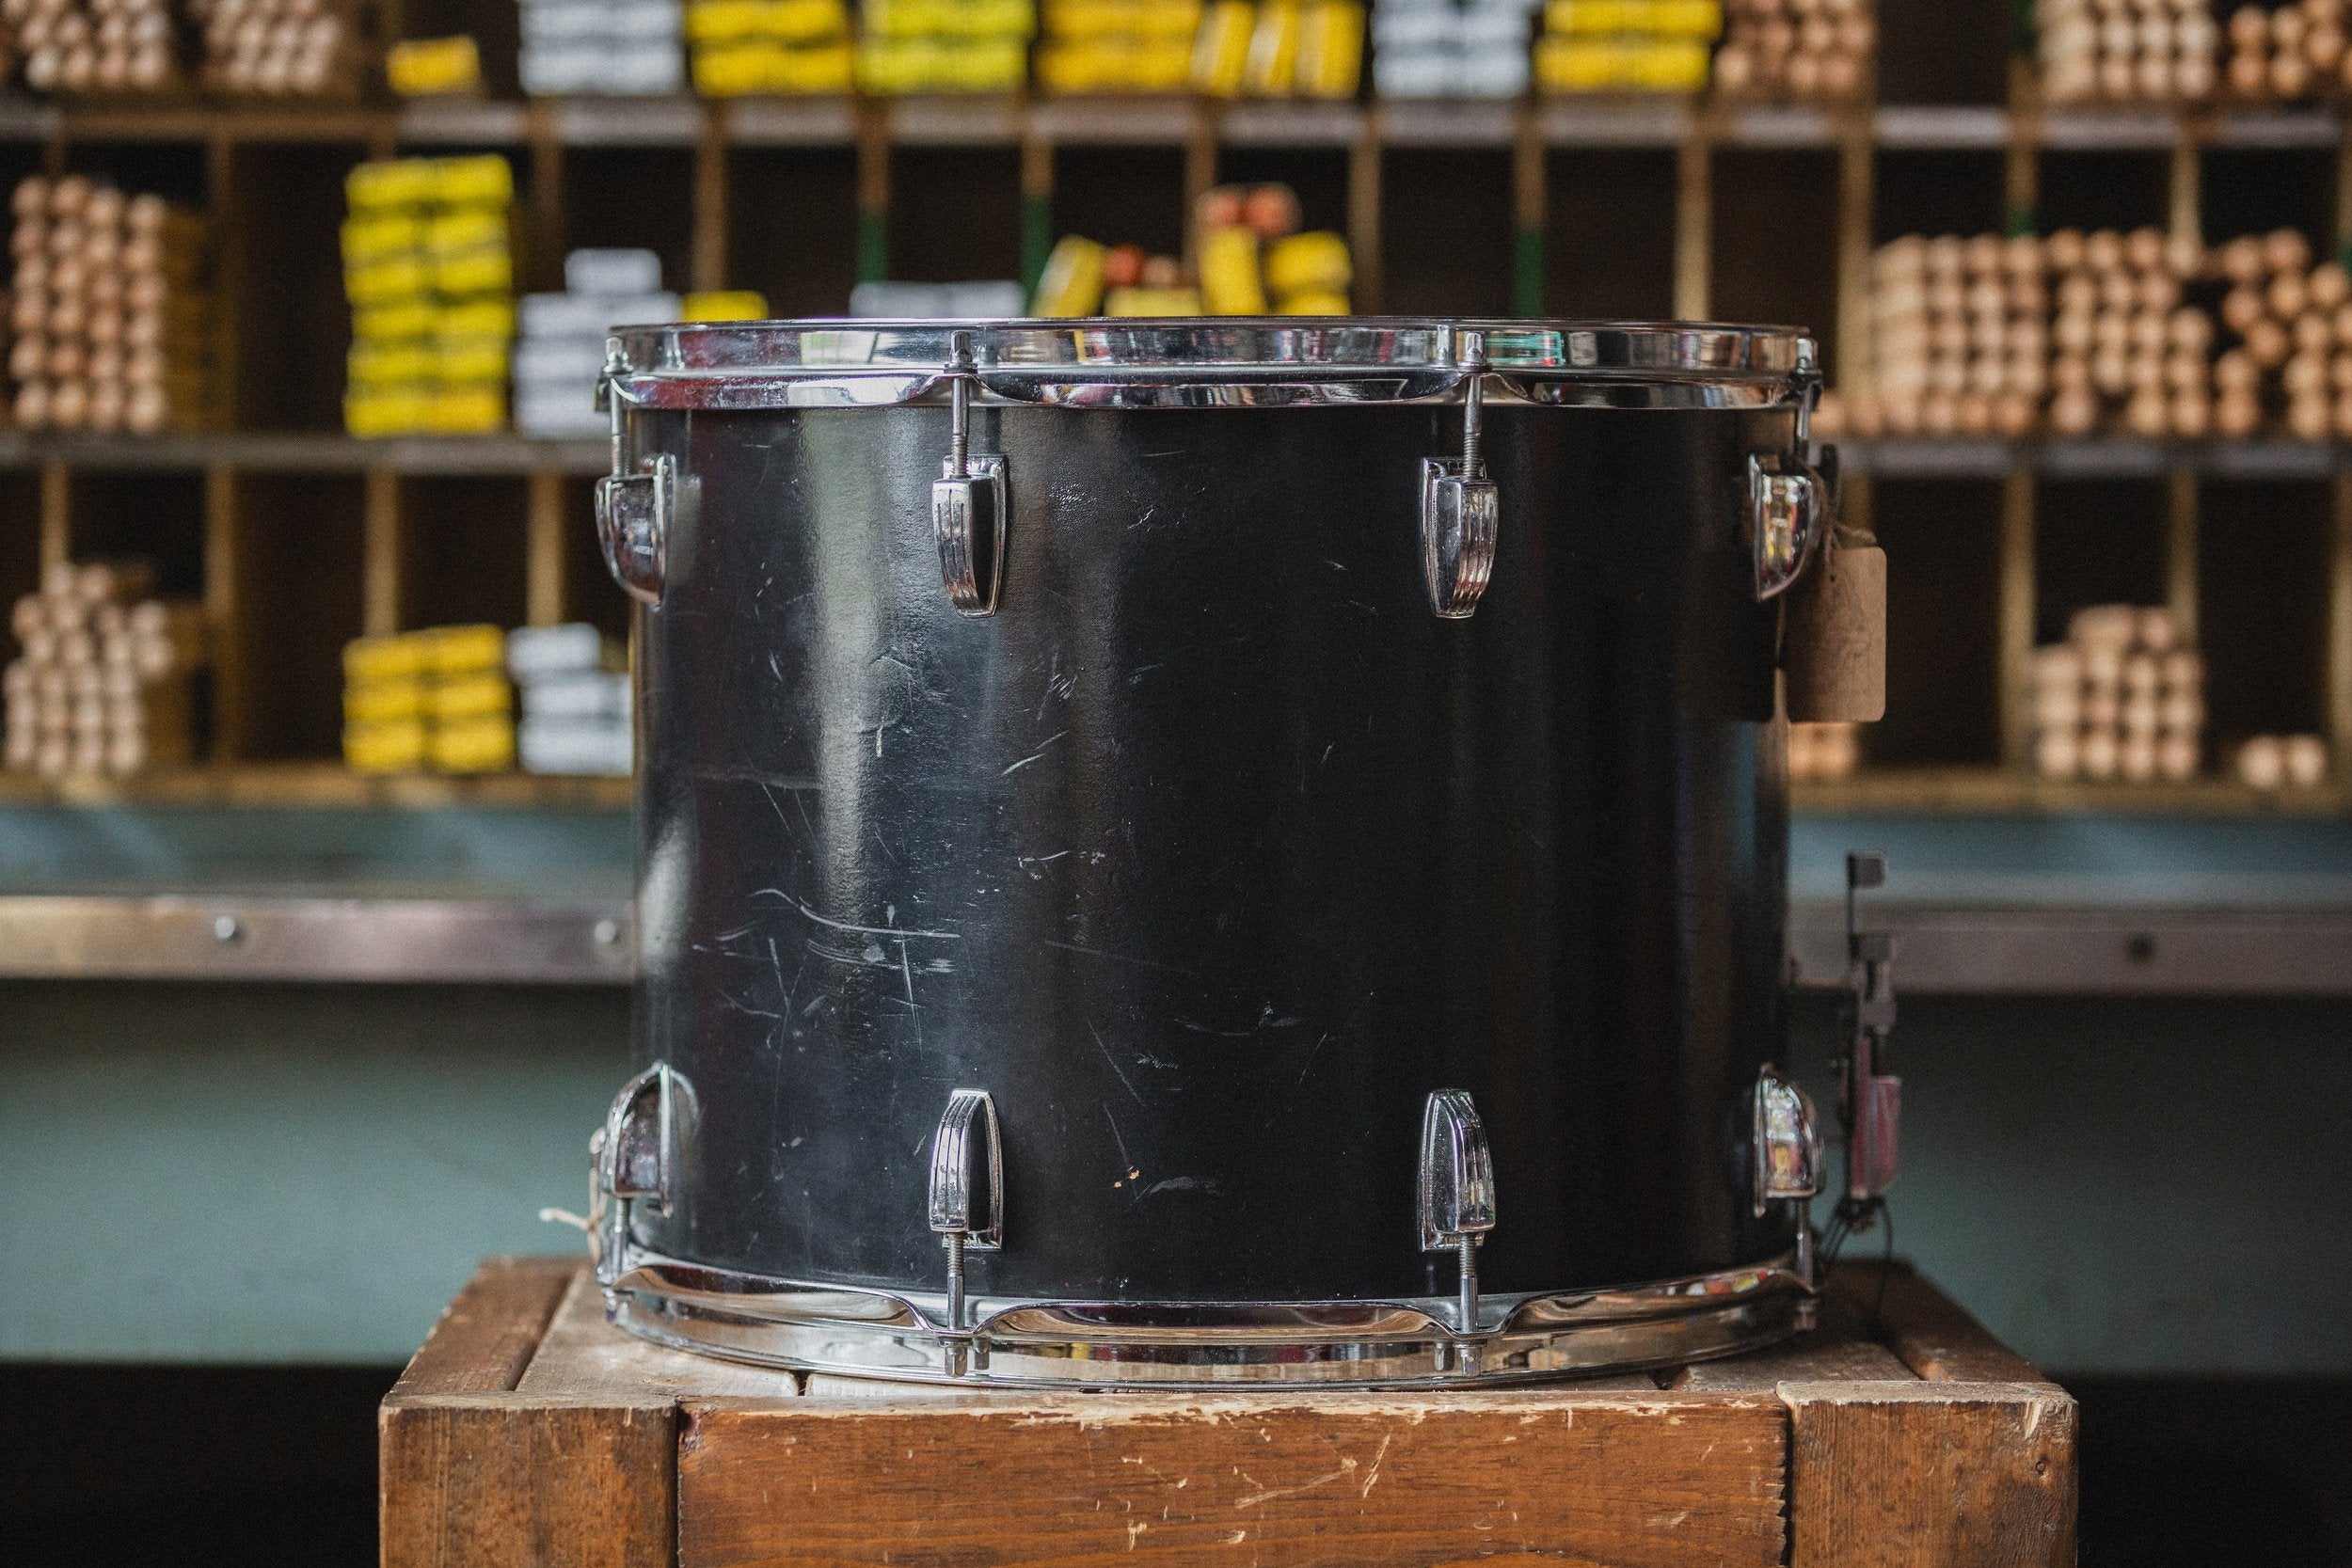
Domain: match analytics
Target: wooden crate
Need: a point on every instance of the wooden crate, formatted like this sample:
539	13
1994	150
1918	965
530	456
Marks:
529	1431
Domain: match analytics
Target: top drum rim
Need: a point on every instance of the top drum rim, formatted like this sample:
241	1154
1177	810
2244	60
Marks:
1131	363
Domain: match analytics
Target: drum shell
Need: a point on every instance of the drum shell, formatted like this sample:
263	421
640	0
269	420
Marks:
1214	851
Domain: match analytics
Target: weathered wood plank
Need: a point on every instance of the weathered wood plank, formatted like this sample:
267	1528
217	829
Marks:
487	1480
474	1470
1932	1335
1633	1480
1840	1346
486	1337
582	1356
1913	1474
1822	1356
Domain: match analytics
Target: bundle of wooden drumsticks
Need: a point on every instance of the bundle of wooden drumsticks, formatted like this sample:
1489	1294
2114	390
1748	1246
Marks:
107	309
105	682
2104	333
271	47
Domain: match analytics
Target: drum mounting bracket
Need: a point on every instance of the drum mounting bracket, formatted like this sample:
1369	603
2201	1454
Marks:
966	1205
634	503
1788	502
635	1158
1459	506
968	500
1787	1156
1457	1200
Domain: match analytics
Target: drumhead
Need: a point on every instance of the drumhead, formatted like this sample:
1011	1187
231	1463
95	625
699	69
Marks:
1207	361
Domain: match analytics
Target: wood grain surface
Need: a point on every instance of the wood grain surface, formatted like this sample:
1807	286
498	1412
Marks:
483	1481
531	1432
582	1355
473	1473
1924	1475
486	1336
1935	1337
1631	1480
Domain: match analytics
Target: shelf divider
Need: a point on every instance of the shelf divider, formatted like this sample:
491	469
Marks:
1037	204
2021	188
873	193
1364	217
708	264
1530	206
2340	632
2017	605
1857	169
1695	218
57	513
543	256
382	548
543	588
224	573
2180	551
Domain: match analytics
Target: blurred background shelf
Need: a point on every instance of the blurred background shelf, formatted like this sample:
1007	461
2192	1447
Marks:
315	785
2105	986
304	453
297	538
1944	950
1565	123
1980	791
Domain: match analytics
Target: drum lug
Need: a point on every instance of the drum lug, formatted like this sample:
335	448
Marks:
968	501
967	1203
1459	506
635	1154
1787	1156
1785	520
1457	1199
634	504
633	526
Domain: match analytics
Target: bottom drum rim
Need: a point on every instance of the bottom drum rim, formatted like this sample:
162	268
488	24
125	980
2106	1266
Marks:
1047	1345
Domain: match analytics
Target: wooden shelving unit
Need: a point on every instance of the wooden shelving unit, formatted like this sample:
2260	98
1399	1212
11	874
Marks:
314	785
299	537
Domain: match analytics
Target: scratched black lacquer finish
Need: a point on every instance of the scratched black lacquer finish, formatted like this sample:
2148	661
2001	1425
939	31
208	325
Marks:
1214	851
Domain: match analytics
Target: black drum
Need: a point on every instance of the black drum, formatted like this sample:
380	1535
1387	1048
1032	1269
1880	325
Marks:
1211	851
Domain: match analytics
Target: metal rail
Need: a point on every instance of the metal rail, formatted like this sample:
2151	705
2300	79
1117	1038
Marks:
1943	950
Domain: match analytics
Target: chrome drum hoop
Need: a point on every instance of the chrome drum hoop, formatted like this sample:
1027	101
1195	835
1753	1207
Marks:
1242	363
1403	1343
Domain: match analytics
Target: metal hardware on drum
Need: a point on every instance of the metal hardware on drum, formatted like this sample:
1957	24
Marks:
1220	911
633	506
1788	1157
1405	1342
966	1137
1457	1197
968	501
635	1158
1460	510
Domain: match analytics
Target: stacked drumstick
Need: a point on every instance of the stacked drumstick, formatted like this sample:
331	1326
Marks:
2080	334
2292	322
97	46
2125	51
2124	348
1803	51
105	683
1824	751
2288	53
278	47
108	321
1959	339
2270	761
2120	698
